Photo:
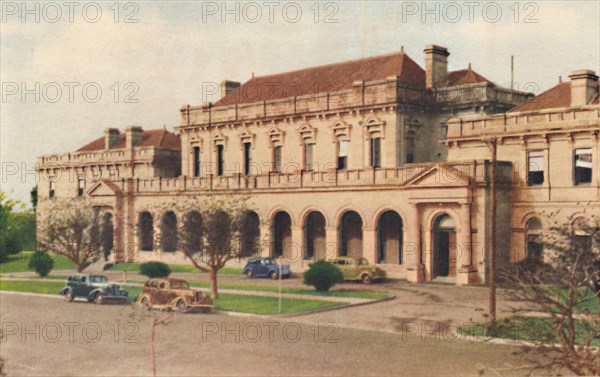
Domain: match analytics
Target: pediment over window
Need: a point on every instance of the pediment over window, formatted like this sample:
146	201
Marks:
276	136
341	129
374	127
307	133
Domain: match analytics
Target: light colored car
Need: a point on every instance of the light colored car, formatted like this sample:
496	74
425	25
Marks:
358	269
173	294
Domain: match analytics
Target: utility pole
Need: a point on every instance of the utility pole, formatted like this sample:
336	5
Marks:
512	72
492	232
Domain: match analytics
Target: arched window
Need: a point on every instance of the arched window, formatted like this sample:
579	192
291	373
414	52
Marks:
444	246
193	231
534	248
282	233
250	234
314	236
146	231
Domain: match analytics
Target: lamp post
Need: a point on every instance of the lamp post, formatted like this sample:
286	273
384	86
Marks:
492	143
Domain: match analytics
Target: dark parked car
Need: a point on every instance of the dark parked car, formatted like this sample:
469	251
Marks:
265	267
94	288
173	294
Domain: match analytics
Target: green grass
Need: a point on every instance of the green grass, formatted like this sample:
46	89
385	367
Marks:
537	329
226	301
18	263
274	288
135	267
32	286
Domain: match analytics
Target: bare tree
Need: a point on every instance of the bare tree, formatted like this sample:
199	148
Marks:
560	286
71	228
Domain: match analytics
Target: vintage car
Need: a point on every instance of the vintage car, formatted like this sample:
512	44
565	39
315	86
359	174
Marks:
94	288
265	267
358	269
173	294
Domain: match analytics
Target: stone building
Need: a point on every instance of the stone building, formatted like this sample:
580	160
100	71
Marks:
375	157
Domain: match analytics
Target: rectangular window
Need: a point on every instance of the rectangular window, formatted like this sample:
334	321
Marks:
535	168
196	161
220	160
80	186
376	152
342	155
410	158
51	190
277	159
582	168
308	157
247	158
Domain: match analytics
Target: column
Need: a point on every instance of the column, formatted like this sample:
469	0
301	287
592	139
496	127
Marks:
467	274
415	269
369	245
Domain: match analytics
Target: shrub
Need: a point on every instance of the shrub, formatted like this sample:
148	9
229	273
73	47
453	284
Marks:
322	276
155	269
41	263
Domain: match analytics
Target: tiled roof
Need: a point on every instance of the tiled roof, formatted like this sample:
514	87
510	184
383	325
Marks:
160	138
326	78
339	76
465	76
559	96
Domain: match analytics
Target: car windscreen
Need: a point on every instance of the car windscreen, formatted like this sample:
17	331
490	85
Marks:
363	261
98	279
179	285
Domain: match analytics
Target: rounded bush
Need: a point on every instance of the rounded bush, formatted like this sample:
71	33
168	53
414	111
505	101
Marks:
155	270
322	276
41	263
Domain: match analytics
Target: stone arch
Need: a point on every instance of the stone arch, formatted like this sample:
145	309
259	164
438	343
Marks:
281	234
534	250
350	227
314	244
168	232
390	227
146	231
250	234
192	228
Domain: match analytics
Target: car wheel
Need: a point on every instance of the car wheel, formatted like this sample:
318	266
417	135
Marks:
182	306
98	298
249	274
366	279
145	303
274	275
69	296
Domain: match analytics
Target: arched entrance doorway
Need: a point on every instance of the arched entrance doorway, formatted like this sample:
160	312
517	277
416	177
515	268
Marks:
107	235
389	238
444	246
168	232
314	236
351	235
146	231
282	234
250	234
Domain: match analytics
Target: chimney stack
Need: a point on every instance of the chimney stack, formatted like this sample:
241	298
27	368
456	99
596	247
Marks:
436	66
228	87
583	86
111	137
133	135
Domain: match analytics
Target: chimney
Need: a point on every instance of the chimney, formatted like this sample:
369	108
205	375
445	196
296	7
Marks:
436	66
111	137
133	135
583	87
228	87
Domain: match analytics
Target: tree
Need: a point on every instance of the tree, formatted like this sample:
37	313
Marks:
33	194
322	275
41	263
72	229
15	227
213	232
561	288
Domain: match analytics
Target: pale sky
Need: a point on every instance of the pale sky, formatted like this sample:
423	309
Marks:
162	60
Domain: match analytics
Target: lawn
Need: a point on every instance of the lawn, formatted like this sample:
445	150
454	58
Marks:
518	328
18	263
135	267
226	302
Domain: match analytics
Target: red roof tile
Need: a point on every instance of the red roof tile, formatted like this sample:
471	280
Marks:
465	76
160	138
326	78
559	96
